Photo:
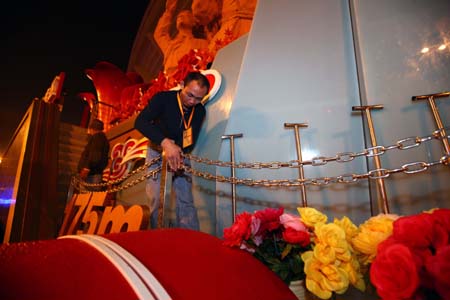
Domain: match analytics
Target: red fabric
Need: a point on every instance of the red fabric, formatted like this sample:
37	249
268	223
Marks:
195	265
59	269
189	264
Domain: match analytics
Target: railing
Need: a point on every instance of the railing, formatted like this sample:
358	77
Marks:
374	152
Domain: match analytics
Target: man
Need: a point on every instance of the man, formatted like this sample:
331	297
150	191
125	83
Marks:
172	122
94	158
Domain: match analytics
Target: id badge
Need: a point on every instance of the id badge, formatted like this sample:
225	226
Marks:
187	137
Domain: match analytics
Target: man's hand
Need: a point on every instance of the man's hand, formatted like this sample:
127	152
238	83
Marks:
173	154
84	173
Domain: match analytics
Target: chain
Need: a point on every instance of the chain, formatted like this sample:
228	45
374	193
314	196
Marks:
409	168
153	173
77	181
342	157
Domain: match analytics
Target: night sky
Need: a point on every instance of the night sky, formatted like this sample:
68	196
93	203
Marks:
40	39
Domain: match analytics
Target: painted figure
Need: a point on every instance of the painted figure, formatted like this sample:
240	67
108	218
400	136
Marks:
174	48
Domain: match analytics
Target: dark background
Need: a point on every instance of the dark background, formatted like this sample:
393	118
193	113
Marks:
40	39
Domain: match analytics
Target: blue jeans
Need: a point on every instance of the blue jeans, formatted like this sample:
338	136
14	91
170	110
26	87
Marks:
186	213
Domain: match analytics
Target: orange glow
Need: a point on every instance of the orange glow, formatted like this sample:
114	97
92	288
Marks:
442	47
425	50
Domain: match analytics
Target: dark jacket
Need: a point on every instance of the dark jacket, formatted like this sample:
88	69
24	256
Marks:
95	154
162	118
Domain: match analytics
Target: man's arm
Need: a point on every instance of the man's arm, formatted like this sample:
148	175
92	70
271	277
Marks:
98	152
173	154
83	163
145	121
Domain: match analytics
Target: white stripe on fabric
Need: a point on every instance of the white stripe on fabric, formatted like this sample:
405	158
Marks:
155	286
126	270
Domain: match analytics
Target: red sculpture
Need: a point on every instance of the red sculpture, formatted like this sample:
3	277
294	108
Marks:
121	95
116	92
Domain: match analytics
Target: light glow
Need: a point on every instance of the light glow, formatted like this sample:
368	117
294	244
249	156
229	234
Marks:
442	47
309	153
7	201
425	50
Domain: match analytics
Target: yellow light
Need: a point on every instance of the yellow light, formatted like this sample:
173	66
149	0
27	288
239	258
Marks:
425	50
442	47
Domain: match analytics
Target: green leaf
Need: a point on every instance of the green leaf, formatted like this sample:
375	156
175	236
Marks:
286	251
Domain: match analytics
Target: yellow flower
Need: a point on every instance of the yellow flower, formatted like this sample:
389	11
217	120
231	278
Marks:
324	253
351	230
333	236
332	263
311	216
356	278
371	233
323	279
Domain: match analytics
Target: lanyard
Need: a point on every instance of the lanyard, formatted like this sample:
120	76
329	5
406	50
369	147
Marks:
188	125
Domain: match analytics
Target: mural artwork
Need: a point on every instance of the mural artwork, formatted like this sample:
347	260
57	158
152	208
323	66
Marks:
187	34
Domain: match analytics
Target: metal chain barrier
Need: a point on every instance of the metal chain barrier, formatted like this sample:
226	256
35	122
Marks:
342	157
409	168
82	185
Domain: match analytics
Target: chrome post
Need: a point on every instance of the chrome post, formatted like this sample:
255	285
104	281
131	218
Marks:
231	137
437	118
379	181
301	173
165	186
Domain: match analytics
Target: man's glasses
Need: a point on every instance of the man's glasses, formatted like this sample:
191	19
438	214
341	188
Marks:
198	99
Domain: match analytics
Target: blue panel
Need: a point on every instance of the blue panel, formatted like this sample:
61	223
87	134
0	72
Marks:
391	36
298	67
228	63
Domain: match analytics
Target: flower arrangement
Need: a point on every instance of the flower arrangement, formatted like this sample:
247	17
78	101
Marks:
406	257
332	264
275	238
298	248
414	261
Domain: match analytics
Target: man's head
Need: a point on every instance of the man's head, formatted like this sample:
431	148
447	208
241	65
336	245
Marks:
96	125
195	87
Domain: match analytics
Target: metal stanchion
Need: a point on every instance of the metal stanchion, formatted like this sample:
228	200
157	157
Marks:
301	173
233	174
380	181
437	117
165	185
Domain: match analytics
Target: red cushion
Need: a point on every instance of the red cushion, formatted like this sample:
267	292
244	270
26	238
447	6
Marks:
59	269
189	265
195	265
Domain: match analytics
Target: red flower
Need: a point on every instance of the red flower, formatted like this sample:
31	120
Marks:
394	272
438	267
270	219
414	231
239	231
441	221
442	216
293	236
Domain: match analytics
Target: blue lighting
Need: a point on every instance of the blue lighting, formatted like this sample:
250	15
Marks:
7	201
